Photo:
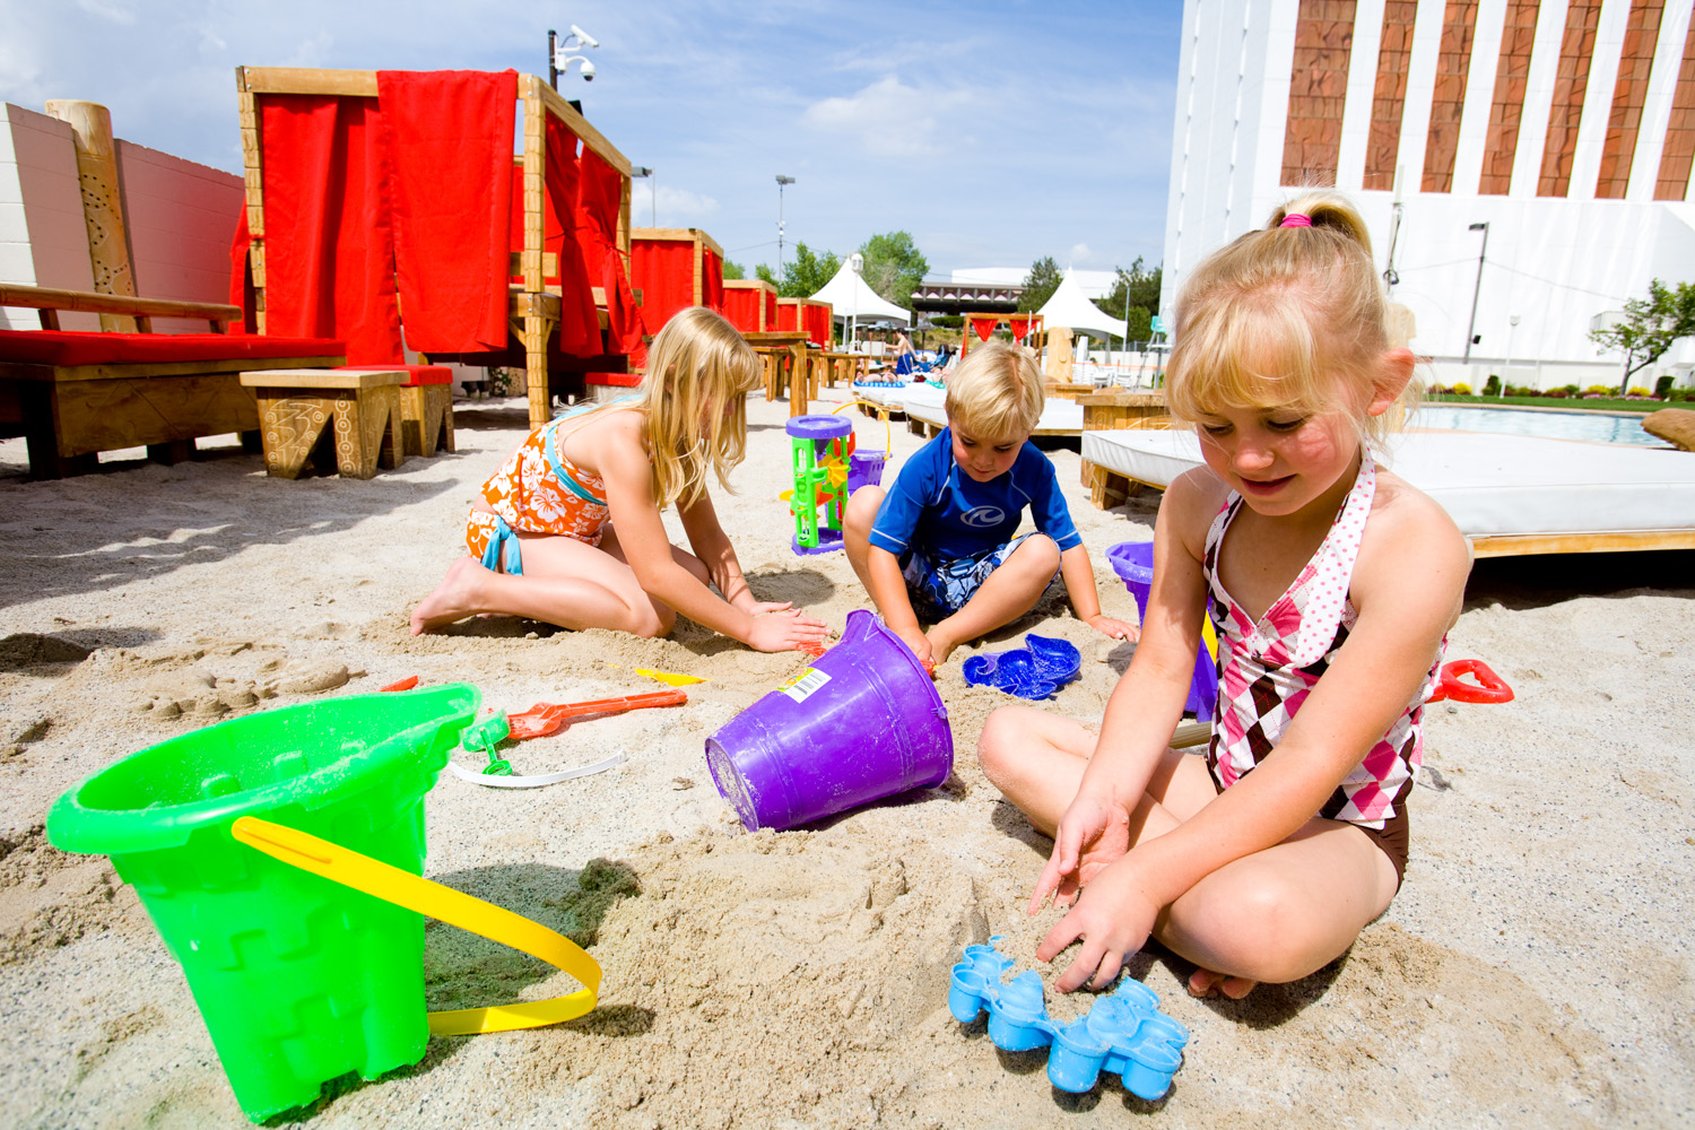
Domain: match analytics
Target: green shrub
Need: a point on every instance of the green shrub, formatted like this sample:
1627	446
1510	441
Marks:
1556	393
1492	386
1662	386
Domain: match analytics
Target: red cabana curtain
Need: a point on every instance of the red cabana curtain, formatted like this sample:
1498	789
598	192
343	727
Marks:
817	323
663	270
711	279
983	327
579	319
741	306
600	193
447	138
771	308
329	245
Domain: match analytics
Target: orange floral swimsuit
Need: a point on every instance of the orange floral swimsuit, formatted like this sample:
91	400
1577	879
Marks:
538	491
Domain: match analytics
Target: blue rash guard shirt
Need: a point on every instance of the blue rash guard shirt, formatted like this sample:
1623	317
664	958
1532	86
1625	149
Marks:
945	514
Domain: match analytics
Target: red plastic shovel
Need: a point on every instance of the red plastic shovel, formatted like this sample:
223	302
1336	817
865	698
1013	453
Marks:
545	719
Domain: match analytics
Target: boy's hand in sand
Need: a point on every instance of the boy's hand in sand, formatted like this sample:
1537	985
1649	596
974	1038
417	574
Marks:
1093	833
785	629
1113	627
915	638
1113	920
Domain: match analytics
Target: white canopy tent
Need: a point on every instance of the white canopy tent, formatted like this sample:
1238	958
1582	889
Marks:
852	301
1070	308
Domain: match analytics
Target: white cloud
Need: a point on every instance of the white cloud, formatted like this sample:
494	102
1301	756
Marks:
1080	254
886	119
678	207
111	10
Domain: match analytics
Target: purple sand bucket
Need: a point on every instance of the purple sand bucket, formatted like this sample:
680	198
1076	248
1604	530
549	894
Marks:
862	723
1133	561
865	469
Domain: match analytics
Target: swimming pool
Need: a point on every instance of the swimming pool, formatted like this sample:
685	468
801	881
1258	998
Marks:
1595	426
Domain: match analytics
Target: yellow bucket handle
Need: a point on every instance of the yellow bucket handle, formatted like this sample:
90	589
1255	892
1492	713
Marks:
882	414
391	884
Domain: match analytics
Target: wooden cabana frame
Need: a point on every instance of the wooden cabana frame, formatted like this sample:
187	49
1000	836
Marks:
751	305
534	310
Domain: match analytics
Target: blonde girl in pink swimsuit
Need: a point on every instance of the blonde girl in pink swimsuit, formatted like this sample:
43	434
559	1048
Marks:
569	529
1334	584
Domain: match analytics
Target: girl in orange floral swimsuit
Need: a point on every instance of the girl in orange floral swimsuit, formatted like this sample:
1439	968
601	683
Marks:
569	529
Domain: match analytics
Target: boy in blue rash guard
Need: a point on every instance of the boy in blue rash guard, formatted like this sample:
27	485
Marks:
938	546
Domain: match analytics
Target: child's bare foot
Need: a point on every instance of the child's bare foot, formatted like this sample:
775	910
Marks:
452	600
1203	982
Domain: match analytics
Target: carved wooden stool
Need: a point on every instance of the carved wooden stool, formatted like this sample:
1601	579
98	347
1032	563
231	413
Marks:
311	416
426	410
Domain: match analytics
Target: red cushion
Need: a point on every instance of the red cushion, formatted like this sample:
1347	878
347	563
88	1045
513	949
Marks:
616	380
76	347
421	374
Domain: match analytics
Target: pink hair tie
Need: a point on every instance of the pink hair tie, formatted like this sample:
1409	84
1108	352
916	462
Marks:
1296	220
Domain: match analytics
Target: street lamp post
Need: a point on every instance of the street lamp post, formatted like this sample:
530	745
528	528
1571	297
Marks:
782	182
856	263
1477	288
1507	369
652	188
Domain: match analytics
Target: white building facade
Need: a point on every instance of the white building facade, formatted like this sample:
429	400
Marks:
1524	165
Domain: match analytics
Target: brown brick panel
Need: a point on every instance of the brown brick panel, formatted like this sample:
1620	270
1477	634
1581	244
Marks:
1506	109
1447	104
1630	91
1318	87
1679	152
1389	97
1577	48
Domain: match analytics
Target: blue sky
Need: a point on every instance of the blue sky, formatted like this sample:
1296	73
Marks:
995	133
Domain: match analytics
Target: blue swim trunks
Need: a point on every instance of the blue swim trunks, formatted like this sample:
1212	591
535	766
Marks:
938	591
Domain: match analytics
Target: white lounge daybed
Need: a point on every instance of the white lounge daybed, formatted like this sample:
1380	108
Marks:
925	414
1508	494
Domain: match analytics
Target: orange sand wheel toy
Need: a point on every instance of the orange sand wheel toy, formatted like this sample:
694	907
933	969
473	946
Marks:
822	447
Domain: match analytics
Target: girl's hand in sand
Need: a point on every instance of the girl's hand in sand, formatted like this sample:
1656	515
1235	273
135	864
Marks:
786	629
1112	919
1113	627
1093	833
757	607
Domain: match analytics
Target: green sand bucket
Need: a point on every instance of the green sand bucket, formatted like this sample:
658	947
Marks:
299	979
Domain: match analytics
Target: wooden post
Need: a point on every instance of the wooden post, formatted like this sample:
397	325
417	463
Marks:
102	202
1058	367
247	111
536	326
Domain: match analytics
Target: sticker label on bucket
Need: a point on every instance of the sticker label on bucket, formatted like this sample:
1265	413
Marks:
804	685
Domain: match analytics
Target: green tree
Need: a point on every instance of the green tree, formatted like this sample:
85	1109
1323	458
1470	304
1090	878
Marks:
1039	285
1649	327
734	270
1135	287
805	274
894	267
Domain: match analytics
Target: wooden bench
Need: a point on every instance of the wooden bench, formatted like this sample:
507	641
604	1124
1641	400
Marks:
314	419
73	394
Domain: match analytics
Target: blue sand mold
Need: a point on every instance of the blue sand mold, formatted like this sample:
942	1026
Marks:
1034	671
1123	1033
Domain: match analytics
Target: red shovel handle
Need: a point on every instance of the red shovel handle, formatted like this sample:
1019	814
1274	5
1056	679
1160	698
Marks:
543	719
1489	687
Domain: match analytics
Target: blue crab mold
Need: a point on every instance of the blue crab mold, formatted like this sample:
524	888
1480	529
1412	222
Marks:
1123	1033
1034	671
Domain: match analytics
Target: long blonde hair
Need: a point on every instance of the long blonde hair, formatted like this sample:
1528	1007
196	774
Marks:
1292	315
995	393
699	371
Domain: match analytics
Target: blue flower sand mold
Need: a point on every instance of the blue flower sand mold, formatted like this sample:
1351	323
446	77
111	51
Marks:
1123	1033
1034	671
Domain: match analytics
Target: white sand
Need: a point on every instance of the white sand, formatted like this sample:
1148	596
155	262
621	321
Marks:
1535	970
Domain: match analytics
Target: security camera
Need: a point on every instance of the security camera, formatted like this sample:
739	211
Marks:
588	40
588	71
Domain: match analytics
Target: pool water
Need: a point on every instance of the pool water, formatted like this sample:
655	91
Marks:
1595	426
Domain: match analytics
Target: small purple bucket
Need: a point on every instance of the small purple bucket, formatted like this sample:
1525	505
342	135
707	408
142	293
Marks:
864	722
1133	561
865	469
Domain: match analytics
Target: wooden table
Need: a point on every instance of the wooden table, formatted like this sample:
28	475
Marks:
787	367
307	417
